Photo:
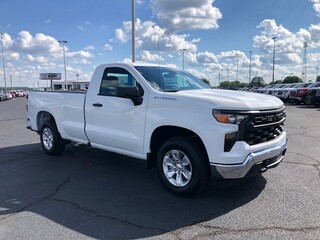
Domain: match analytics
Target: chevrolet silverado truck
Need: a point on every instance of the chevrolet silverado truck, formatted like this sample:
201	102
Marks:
170	119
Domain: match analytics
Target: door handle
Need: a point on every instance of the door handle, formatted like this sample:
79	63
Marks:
97	105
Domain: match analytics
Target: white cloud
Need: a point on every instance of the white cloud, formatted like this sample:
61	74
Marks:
13	56
147	56
288	45
7	41
233	55
82	57
107	47
121	35
197	73
38	59
201	58
88	48
37	44
316	6
47	21
181	15
80	28
314	31
127	60
195	40
151	37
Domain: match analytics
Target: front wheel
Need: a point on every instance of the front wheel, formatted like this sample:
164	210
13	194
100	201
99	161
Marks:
50	138
182	167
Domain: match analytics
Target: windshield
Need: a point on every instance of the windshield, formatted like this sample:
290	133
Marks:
169	79
315	84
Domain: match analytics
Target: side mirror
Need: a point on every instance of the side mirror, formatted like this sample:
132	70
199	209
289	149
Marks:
132	93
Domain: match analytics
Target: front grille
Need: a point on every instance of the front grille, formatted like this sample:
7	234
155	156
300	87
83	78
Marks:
263	135
264	126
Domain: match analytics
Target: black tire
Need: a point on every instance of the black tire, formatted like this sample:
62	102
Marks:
189	184
307	100
50	138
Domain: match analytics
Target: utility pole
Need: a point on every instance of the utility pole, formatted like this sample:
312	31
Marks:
133	30
64	61
183	50
237	77
228	72
3	64
305	45
273	59
250	68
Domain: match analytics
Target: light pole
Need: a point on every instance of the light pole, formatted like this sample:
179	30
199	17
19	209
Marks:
305	45
4	67
273	58
77	75
237	70
133	30
64	61
250	68
183	50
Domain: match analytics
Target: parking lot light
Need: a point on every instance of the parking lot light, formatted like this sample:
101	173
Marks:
3	64
64	61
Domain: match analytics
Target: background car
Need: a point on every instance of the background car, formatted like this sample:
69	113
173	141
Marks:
299	95
2	96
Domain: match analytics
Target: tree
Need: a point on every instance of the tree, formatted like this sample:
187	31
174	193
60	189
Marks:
257	82
232	85
205	81
318	79
292	79
277	82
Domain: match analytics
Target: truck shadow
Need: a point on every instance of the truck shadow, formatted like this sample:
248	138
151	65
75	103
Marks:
107	196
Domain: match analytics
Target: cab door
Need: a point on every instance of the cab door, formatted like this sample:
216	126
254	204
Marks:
116	123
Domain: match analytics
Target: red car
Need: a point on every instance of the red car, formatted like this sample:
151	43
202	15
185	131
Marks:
299	95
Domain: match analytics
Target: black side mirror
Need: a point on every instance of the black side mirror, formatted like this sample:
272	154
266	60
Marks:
132	93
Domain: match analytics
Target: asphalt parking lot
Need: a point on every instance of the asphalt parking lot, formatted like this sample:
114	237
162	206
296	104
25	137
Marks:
89	194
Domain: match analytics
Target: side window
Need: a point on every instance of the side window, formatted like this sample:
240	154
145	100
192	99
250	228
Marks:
115	77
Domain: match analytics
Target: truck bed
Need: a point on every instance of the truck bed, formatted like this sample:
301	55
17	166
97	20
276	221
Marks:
66	106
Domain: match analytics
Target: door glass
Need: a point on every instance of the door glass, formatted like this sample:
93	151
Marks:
115	77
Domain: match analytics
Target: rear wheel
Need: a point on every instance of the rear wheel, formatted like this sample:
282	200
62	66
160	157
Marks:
307	100
51	141
182	167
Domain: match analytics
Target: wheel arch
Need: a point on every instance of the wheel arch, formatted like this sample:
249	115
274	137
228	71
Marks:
42	117
163	133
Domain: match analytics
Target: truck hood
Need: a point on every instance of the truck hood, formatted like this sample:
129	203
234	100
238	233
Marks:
233	100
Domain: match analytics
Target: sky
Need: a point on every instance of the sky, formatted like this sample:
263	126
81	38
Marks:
218	36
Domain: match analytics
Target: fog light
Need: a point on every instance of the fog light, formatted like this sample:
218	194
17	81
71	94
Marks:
232	135
229	140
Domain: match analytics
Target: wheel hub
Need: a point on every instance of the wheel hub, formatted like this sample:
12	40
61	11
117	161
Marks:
177	168
47	138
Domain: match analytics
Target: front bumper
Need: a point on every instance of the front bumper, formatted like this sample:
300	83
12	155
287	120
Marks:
295	99
254	163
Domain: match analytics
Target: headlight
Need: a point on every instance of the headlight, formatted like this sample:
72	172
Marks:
230	118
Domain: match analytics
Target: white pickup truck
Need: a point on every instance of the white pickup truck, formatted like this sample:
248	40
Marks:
169	118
